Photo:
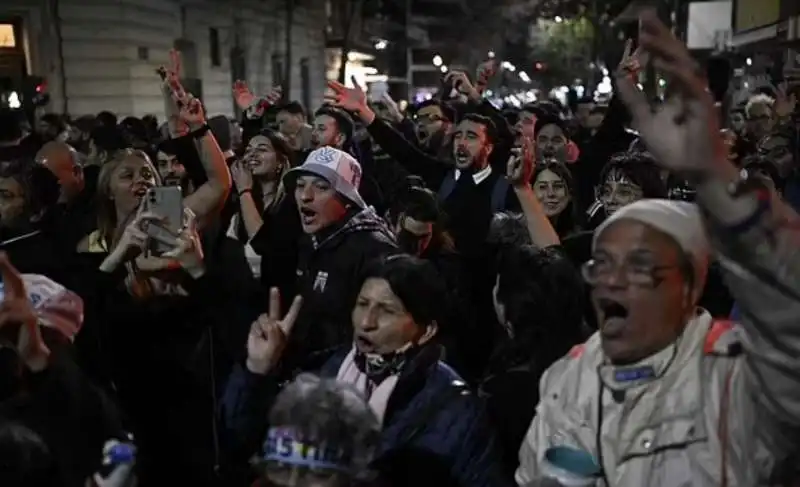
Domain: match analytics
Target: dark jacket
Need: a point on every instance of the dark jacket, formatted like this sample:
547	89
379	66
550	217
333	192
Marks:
71	415
434	433
328	272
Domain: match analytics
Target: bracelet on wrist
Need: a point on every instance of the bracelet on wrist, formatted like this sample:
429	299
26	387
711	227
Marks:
247	190
200	132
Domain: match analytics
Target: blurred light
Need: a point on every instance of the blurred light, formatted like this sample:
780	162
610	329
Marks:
580	90
746	85
661	82
524	77
539	66
749	61
605	72
558	19
489	93
491	54
443	68
639	85
428	96
381	45
605	87
14	101
507	65
437	60
376	78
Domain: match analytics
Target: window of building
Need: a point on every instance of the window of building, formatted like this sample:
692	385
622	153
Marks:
213	39
7	37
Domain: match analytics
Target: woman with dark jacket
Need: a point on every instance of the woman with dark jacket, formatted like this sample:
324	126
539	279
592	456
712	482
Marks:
538	299
433	431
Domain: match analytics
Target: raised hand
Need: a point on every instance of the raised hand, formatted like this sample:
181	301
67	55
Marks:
242	95
486	70
350	99
520	167
269	334
683	133
19	325
460	81
192	113
274	96
632	62
784	104
173	75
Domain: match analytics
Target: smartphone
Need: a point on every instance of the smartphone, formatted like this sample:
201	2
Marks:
167	203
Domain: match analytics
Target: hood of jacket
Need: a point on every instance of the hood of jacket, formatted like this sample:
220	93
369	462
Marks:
365	220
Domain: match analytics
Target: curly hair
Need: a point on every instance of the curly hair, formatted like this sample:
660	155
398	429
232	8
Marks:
324	410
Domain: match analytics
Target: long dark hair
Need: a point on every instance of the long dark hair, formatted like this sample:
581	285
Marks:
285	156
570	220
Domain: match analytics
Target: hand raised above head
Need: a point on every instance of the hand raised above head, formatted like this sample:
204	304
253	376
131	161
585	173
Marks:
520	167
682	133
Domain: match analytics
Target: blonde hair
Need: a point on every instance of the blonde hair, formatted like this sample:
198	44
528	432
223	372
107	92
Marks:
760	99
107	224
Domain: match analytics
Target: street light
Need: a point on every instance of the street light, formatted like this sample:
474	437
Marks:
443	68
491	54
559	19
437	60
381	44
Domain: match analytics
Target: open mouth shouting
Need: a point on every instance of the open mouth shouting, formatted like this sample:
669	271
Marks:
364	344
612	318
308	217
462	156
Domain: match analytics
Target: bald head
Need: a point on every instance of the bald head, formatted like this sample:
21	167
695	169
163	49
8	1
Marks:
62	160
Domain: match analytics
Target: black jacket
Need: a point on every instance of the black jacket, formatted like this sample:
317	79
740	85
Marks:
71	415
328	272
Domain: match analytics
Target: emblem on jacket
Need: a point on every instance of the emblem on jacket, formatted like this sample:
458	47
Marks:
320	281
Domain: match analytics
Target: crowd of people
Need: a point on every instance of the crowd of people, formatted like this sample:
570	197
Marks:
457	295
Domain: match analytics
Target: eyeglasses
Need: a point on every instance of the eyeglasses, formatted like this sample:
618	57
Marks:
640	274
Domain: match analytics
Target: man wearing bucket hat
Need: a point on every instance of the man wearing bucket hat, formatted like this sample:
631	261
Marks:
663	395
342	234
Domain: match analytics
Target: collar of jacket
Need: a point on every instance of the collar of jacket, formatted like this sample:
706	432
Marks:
477	176
413	378
689	344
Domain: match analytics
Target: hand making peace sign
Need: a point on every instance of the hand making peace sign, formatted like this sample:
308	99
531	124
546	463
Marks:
269	334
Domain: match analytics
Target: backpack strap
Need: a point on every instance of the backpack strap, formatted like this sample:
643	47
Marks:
499	193
447	187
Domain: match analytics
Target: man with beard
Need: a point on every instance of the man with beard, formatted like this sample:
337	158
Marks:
331	128
433	121
470	201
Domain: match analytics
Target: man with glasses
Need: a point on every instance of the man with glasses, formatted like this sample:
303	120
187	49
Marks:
662	395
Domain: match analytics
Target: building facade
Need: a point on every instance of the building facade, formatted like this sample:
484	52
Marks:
103	54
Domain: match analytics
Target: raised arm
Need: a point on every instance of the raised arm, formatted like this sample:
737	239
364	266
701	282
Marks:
754	233
519	173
